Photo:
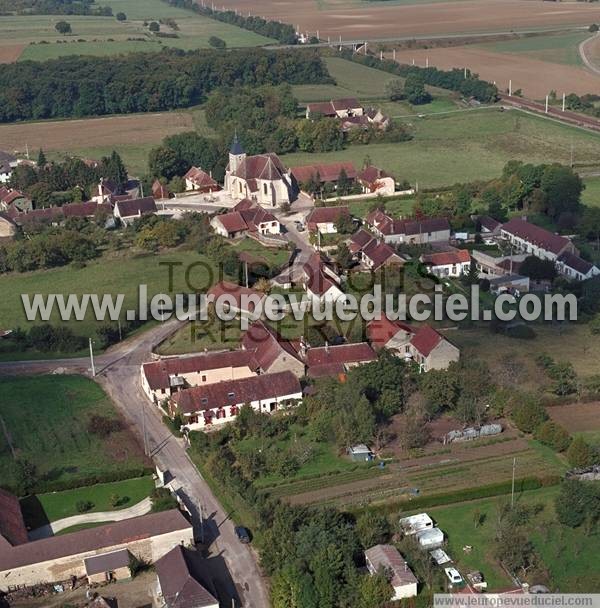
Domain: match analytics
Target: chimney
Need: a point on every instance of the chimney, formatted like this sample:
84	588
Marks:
327	346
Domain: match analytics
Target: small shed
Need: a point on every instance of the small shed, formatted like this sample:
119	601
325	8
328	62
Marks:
107	567
360	453
431	538
416	523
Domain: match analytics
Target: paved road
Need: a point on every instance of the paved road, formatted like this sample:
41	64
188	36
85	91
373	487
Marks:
141	508
238	575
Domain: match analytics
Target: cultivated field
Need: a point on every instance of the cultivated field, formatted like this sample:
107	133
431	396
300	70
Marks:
45	422
535	74
577	417
10	52
373	20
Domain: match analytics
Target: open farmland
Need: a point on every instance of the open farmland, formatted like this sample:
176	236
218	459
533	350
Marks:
577	417
376	20
534	75
11	52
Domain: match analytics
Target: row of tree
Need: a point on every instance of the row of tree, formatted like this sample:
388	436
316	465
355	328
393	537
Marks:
55	7
144	82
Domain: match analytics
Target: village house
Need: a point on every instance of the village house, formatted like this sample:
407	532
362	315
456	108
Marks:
336	108
85	553
448	263
245	219
317	176
488	226
320	281
243	301
336	360
325	219
213	404
271	352
178	581
575	268
160	191
8	228
14	201
127	211
57	215
262	178
422	345
372	253
200	181
412	232
107	191
7	163
387	559
534	240
376	181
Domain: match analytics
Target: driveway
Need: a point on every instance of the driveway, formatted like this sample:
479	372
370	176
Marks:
119	374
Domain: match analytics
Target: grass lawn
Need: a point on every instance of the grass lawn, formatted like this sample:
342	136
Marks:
591	194
46	422
44	508
81	527
561	48
107	36
198	336
396	207
118	273
270	255
467	146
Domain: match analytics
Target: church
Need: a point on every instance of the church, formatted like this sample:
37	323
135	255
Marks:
262	178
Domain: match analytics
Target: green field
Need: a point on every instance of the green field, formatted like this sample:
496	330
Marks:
107	36
561	48
468	146
116	273
396	207
44	508
45	421
591	194
564	551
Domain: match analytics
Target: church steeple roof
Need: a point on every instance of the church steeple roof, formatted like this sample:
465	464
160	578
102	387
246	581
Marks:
236	146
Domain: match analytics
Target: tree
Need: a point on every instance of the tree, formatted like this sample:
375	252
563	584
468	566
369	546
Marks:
25	476
528	414
63	27
374	591
440	389
344	257
593	28
344	223
372	529
113	168
154	27
41	160
590	224
562	187
216	42
164	162
564	376
121	17
344	183
414	91
580	454
537	269
394	89
577	502
552	434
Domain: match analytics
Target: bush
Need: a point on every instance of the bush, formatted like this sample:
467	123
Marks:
553	435
521	332
154	26
121	17
528	414
216	42
83	506
580	454
103	426
162	500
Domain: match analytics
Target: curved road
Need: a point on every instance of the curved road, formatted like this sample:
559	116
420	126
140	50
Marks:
587	62
234	566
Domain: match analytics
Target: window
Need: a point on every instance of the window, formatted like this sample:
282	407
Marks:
264	188
203	378
240	186
230	395
204	400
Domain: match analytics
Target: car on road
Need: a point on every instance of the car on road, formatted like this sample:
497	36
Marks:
243	534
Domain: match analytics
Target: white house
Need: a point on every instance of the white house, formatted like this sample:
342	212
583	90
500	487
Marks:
416	523
325	219
130	210
202	407
320	280
388	559
573	267
250	220
262	178
200	181
534	240
448	263
412	232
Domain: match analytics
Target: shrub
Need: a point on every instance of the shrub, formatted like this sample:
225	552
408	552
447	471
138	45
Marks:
580	453
553	435
162	500
154	26
114	500
528	414
121	17
216	42
83	506
103	426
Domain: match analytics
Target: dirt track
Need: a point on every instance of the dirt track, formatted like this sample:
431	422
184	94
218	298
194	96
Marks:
11	52
376	20
535	77
92	132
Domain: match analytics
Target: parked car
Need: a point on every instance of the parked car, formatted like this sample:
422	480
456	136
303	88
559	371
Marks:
243	534
453	576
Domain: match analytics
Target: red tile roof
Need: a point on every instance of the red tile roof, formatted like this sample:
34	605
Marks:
381	331
575	262
266	344
157	373
389	558
359	240
390	226
245	203
200	178
323	172
426	339
136	207
540	237
328	108
235	392
237	291
371	174
92	539
489	223
262	166
322	361
446	258
233	222
325	215
12	526
379	253
318	281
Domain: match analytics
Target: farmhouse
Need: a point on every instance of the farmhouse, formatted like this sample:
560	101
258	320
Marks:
375	180
14	201
325	219
372	253
240	300
448	263
160	191
57	215
336	108
414	232
248	219
130	210
387	558
320	280
423	345
271	352
488	225
200	181
534	240
336	360
573	267
178	584
204	406
160	379
310	176
262	178
7	163
85	552
107	191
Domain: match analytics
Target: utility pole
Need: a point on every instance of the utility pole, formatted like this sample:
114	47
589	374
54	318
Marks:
510	88
512	492
120	332
246	272
546	104
564	101
92	359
